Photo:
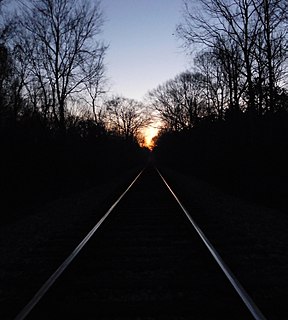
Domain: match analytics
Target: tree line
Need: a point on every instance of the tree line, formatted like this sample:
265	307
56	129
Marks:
240	68
226	118
60	129
52	68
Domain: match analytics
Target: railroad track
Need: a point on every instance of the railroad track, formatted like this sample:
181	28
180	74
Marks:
145	259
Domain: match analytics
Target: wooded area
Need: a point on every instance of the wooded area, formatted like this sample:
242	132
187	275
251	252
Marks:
226	120
58	134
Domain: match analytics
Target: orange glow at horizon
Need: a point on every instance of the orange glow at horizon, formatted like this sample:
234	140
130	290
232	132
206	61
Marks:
149	133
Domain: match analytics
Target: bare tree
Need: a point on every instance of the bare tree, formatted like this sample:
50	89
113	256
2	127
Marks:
6	59
127	117
11	81
62	48
229	57
4	74
180	102
214	81
272	44
94	90
235	20
252	30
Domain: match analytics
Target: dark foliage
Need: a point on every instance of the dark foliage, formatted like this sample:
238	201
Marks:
37	166
52	144
246	156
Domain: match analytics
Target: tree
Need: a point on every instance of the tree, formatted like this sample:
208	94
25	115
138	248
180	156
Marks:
234	20
273	45
126	117
4	68
248	30
6	59
181	102
61	45
214	81
94	90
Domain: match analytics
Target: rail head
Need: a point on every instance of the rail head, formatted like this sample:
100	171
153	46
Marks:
51	280
250	304
255	312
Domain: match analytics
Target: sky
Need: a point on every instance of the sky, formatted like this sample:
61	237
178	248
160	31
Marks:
144	51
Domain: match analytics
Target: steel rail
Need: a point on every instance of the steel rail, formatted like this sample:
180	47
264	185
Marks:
47	285
254	310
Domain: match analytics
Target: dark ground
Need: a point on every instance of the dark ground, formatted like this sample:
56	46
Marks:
251	238
146	262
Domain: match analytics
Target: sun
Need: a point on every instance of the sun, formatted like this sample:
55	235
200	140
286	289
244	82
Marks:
149	133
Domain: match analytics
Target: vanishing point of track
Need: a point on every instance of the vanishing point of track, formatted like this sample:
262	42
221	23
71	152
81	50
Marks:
146	261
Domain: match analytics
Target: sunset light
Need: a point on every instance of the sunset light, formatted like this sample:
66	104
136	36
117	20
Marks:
149	133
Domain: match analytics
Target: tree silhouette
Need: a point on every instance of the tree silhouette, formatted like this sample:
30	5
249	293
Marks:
59	39
181	102
126	117
250	33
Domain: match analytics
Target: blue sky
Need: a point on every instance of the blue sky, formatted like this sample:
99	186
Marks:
143	49
143	52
